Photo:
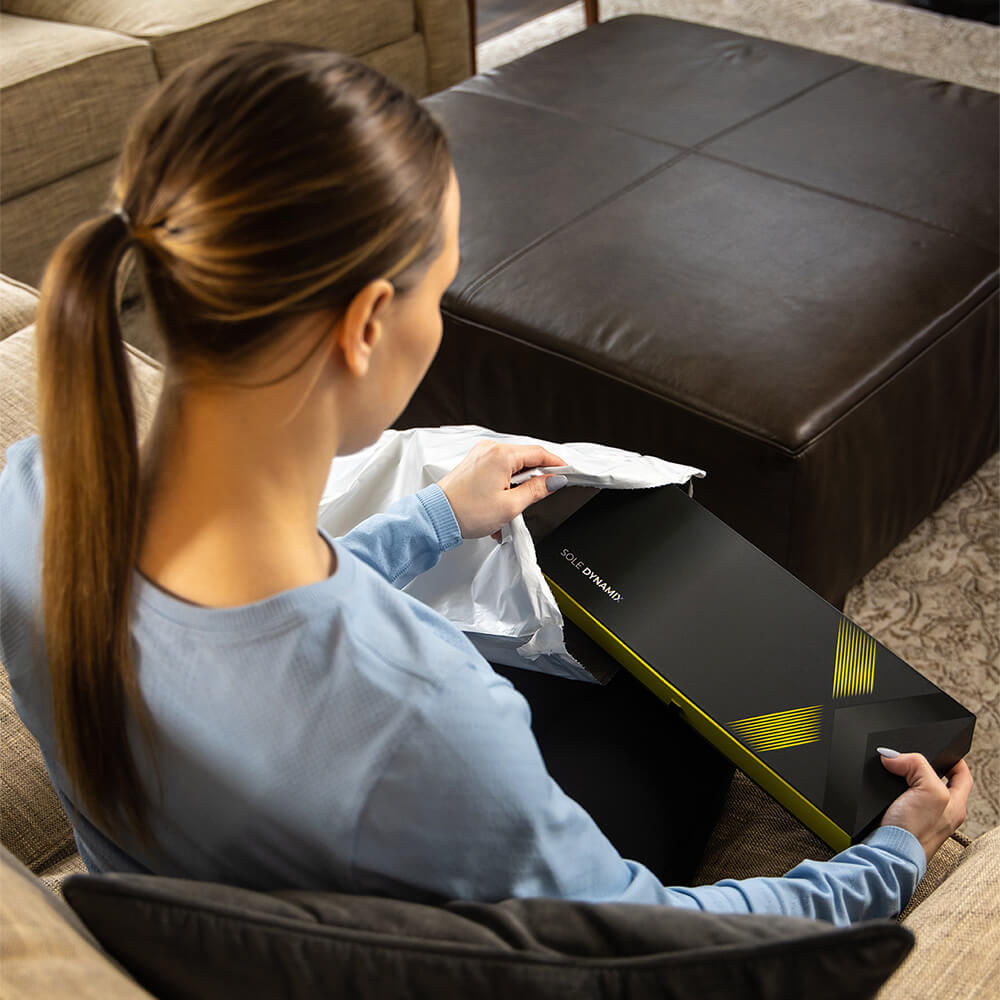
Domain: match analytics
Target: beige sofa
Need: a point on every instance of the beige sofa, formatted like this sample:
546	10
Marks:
73	72
955	914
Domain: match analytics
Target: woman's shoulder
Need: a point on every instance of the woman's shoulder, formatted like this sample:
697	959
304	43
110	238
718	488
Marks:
353	620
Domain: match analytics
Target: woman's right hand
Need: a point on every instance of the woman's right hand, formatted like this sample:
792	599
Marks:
931	809
479	489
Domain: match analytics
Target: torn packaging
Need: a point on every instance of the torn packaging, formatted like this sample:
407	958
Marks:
495	593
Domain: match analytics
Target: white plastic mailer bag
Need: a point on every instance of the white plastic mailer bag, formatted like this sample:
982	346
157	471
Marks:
496	594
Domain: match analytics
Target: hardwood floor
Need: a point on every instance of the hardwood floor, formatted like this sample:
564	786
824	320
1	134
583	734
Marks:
494	17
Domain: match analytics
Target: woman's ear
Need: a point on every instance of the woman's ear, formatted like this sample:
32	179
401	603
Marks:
362	325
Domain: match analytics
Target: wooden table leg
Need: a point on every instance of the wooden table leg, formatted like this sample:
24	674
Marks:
472	32
590	9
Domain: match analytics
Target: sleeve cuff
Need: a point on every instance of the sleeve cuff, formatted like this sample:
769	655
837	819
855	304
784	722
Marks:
442	516
900	842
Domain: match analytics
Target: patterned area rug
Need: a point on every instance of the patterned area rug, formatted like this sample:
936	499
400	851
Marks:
934	600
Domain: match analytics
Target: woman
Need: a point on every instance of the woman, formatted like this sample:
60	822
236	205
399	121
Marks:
224	692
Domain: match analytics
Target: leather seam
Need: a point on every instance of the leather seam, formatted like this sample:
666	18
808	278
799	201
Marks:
698	147
680	153
971	240
477	283
685	151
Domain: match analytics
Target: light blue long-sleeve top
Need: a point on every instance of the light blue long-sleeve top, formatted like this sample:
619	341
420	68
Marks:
344	736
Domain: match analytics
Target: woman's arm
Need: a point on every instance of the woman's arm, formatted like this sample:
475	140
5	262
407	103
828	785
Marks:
475	499
466	809
865	882
408	538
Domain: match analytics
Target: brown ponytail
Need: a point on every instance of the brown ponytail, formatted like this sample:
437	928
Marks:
91	523
262	184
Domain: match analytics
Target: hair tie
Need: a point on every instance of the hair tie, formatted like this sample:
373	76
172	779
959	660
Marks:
124	216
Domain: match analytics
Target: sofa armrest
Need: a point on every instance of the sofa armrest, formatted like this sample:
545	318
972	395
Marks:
957	954
447	31
46	950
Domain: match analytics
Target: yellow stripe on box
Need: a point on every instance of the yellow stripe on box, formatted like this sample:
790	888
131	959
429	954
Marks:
778	730
854	662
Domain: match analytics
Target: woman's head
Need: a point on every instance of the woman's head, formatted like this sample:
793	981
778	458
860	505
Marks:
274	181
258	187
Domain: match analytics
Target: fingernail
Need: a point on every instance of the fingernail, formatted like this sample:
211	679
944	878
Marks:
886	752
554	483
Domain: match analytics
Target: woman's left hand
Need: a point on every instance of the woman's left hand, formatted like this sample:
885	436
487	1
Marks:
479	489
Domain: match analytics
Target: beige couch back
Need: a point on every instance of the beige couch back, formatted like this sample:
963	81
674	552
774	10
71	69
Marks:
74	72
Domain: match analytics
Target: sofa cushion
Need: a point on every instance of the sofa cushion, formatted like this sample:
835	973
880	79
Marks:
32	225
54	876
183	29
33	825
67	91
957	954
405	63
18	303
755	837
44	949
17	387
197	939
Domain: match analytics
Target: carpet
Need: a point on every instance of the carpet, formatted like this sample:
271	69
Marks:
935	601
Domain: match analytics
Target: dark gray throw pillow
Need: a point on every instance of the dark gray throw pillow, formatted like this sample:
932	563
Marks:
190	940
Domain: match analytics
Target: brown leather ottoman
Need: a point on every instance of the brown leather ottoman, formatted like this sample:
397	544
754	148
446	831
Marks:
778	265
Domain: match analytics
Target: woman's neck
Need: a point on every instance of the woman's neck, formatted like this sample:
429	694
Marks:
234	478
